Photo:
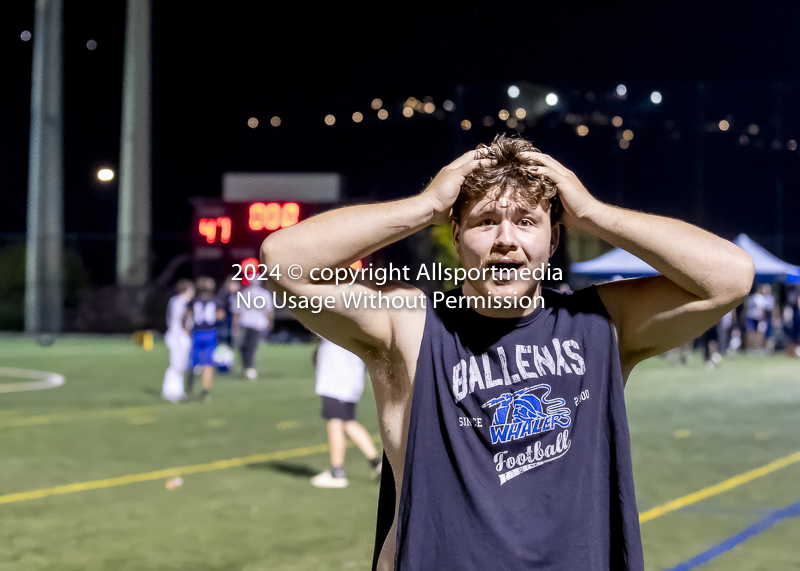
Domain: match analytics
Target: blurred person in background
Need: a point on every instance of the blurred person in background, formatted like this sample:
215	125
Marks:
255	314
728	329
178	341
227	328
793	303
204	314
760	306
340	383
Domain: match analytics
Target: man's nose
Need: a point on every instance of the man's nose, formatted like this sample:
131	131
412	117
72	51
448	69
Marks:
505	237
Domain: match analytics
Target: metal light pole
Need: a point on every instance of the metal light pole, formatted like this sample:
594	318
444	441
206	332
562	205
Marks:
45	228
134	224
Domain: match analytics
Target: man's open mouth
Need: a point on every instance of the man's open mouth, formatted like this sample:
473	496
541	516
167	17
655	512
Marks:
505	271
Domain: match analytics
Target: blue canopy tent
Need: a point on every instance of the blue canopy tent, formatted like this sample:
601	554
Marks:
620	263
768	267
615	263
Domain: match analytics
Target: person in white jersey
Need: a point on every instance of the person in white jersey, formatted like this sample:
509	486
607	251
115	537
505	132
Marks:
256	316
340	383
178	341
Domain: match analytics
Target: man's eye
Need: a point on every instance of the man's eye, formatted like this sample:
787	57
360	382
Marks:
486	222
526	222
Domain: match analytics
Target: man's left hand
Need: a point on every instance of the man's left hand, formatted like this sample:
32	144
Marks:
576	201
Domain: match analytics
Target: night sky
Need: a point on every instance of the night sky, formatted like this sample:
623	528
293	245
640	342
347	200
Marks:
214	68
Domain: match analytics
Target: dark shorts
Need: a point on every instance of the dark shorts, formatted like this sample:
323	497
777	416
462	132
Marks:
332	408
203	345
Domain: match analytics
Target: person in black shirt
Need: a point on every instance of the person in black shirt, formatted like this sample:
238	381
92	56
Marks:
518	418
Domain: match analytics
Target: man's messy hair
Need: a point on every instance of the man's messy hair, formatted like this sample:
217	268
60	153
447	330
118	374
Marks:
513	171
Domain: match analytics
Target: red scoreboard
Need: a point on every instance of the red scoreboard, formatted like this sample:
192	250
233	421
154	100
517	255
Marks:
228	230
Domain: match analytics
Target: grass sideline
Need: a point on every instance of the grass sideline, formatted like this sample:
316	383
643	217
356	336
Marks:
690	429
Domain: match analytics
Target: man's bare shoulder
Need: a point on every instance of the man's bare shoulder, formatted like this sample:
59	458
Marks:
393	365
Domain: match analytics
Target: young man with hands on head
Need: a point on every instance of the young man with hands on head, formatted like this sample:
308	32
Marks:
504	428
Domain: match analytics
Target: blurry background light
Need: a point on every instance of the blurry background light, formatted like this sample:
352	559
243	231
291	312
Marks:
655	97
520	113
582	130
466	124
408	111
91	45
744	139
252	122
105	175
623	144
622	91
430	107
513	92
357	117
503	114
383	114
512	123
551	99
448	105
791	144
488	121
275	121
377	104
26	35
617	121
753	129
724	125
627	134
330	119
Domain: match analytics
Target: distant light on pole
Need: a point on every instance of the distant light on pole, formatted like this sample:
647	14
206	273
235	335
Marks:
513	92
105	175
551	99
655	97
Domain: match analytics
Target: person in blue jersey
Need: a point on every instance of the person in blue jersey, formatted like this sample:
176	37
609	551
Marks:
502	415
178	341
203	313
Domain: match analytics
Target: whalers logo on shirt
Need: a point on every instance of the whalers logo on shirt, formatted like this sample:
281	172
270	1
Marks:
525	413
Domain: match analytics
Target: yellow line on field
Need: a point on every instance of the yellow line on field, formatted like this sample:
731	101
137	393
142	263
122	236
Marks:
168	473
717	488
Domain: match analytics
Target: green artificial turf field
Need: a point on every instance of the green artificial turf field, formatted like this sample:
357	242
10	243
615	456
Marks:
690	429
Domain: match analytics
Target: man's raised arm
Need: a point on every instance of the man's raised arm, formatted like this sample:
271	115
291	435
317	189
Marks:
702	276
337	238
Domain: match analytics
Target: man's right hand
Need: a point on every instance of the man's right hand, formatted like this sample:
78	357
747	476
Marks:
444	189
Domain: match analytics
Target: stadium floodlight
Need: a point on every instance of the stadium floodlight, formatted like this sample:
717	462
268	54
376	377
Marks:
551	99
513	92
105	175
655	97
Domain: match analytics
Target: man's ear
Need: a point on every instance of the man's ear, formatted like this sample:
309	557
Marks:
456	231
555	235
